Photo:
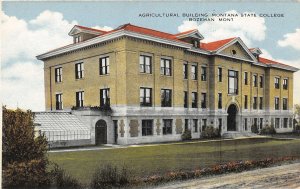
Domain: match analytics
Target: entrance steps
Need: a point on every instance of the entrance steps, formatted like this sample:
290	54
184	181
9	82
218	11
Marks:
236	134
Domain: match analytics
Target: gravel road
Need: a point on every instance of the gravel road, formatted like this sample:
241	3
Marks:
284	176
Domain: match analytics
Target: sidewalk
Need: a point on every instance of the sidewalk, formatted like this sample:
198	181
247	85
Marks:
114	146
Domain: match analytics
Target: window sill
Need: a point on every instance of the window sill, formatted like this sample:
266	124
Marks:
142	73
103	75
78	79
165	75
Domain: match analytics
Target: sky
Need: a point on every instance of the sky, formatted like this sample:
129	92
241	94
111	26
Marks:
31	28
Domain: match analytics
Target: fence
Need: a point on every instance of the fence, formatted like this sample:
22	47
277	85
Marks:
67	135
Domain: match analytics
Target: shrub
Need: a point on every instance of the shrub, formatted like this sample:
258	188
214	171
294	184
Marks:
61	179
109	176
268	130
24	156
254	129
186	135
210	132
26	174
297	129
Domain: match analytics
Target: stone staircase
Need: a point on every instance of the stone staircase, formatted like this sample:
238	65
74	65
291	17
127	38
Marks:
236	134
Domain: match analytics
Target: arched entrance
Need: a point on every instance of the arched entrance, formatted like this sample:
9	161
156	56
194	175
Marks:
101	132
231	118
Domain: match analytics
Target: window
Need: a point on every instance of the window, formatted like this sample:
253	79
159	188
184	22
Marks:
276	103
260	103
232	82
285	122
194	74
246	102
233	52
79	71
246	78
195	125
185	71
186	125
203	73
77	39
261	121
104	97
147	127
145	64
194	100
203	100
165	67
145	96
246	124
59	103
204	124
284	104
196	43
254	103
185	99
104	65
166	98
277	123
255	121
285	84
261	81
220	125
255	80
58	75
79	98
220	74
219	100
167	128
276	82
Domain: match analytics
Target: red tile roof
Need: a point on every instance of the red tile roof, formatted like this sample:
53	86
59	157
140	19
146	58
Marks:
270	62
147	31
91	29
182	33
212	46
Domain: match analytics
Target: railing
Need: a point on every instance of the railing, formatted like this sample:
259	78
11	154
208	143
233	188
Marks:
67	135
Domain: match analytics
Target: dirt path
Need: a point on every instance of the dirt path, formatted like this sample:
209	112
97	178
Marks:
285	177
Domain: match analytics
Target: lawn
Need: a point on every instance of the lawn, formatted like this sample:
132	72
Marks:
148	160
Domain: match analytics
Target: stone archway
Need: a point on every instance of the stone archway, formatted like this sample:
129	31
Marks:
101	132
231	117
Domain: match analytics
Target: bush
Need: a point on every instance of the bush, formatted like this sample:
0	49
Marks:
297	129
109	176
26	174
186	135
62	180
24	156
254	129
268	130
210	132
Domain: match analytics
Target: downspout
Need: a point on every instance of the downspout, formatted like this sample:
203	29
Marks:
50	89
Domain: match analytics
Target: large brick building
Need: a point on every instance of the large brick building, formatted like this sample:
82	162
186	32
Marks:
159	84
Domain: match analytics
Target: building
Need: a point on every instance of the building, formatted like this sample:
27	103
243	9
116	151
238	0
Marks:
159	84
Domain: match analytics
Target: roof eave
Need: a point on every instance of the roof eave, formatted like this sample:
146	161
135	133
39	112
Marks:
110	36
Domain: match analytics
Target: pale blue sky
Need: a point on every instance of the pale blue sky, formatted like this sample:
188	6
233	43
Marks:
114	14
31	28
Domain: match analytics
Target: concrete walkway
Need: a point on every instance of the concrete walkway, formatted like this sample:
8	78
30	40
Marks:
283	177
114	146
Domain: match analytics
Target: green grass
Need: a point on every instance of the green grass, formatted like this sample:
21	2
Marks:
149	160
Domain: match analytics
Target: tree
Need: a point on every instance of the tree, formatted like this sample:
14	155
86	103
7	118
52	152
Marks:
24	155
297	112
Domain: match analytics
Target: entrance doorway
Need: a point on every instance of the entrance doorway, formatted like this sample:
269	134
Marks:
231	118
101	132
